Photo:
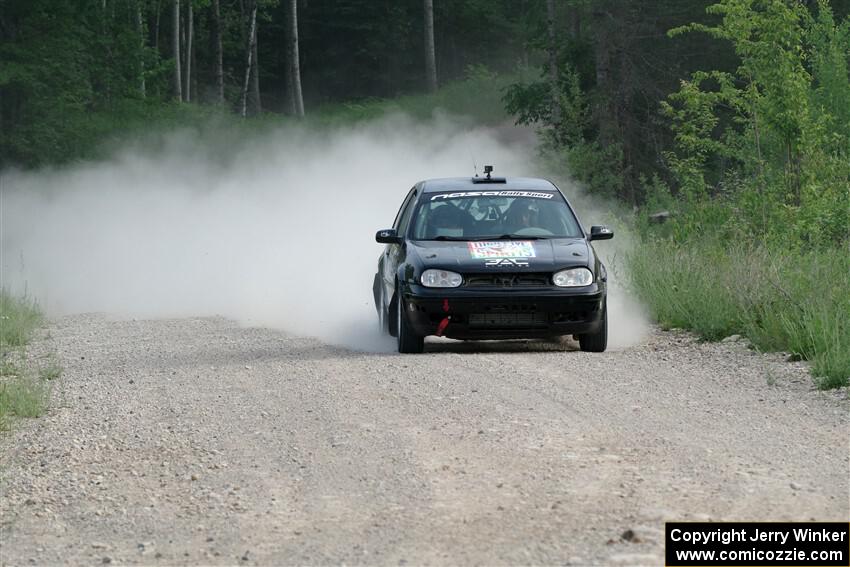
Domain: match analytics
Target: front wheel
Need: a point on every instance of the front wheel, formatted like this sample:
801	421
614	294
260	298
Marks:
598	340
408	341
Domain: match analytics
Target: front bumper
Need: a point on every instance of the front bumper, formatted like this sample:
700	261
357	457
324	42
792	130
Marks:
460	313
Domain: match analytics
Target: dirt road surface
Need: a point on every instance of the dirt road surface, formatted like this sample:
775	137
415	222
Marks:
197	441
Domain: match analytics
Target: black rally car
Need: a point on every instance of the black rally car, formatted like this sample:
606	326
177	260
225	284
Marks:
490	258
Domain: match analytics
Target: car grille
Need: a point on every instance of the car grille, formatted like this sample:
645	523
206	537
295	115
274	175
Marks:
507	280
508	316
507	320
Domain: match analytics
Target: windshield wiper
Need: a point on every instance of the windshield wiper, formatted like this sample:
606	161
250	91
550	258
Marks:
510	237
491	237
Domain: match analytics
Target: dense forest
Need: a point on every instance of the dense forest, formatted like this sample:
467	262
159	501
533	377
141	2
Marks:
611	85
72	69
731	116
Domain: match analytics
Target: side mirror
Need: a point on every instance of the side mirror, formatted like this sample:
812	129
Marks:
601	233
387	236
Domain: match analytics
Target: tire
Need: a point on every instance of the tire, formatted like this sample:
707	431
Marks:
596	341
408	341
391	317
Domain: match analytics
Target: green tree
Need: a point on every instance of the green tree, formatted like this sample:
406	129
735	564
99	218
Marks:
777	125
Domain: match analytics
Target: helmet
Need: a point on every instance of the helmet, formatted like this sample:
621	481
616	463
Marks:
447	220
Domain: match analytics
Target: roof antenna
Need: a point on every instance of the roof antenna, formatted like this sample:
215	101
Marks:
487	170
474	166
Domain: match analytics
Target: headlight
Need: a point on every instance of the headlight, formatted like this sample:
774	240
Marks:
441	278
574	277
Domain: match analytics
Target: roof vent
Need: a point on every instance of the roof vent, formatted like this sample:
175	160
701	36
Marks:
488	169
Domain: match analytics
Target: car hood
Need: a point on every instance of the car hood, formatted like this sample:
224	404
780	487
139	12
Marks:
527	255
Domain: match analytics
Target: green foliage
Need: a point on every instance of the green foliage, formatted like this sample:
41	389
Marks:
531	103
767	35
695	112
830	51
21	396
477	96
587	162
19	317
21	393
78	74
780	299
771	140
63	63
758	238
568	147
99	132
614	63
52	370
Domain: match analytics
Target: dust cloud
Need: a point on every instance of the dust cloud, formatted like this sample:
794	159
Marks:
277	231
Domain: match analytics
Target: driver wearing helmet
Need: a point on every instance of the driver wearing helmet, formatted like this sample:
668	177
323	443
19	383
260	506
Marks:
522	214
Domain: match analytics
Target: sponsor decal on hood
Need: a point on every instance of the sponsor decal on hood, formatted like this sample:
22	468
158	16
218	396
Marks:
502	249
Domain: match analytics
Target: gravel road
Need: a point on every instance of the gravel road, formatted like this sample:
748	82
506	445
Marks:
197	441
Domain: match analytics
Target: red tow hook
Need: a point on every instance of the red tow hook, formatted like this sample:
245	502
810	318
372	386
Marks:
445	322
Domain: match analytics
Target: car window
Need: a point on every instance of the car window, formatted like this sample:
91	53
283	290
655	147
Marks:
406	207
482	214
404	221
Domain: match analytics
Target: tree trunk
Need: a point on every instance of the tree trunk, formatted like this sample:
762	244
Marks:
553	62
178	89
141	31
290	90
430	52
256	105
190	32
156	28
606	111
219	53
611	37
250	52
524	57
575	22
456	56
294	64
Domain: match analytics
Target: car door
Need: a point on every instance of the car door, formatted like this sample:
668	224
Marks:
394	254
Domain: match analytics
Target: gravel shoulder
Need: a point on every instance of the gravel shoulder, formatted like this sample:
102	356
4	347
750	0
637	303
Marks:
196	441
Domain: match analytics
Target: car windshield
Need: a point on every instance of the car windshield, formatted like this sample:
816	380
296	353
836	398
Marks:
483	215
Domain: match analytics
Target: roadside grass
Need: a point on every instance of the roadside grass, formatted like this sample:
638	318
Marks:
51	370
24	385
781	300
19	317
